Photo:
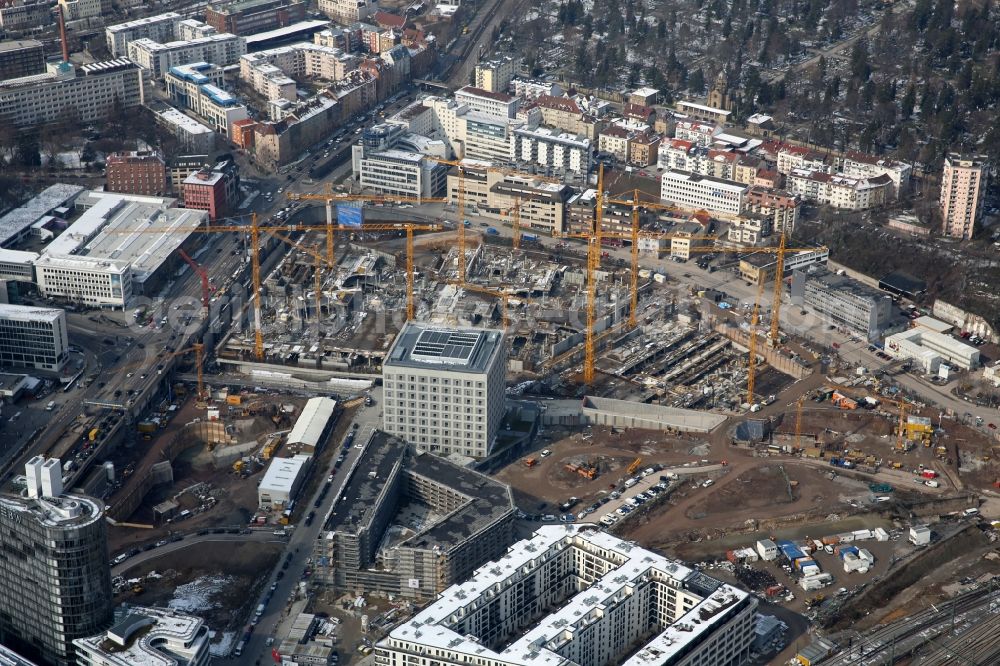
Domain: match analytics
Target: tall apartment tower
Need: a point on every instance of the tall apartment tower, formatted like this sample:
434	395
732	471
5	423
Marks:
963	186
444	388
55	581
495	75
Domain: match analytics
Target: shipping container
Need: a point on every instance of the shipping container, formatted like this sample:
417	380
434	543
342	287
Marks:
831	540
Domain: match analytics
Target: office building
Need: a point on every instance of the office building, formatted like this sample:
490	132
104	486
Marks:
928	349
840	191
556	151
137	172
94	282
157	58
444	388
282	481
91	92
10	658
696	192
246	17
492	103
17	265
22	57
541	204
495	75
193	136
401	173
842	301
359	549
347	12
215	189
573	595
33	337
53	595
198	88
142	636
963	188
159	28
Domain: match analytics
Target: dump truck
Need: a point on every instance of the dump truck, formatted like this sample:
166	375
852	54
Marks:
843	401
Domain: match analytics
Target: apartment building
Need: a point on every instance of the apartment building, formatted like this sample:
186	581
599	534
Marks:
689	156
614	141
843	301
198	88
840	191
574	595
33	337
783	208
92	281
247	17
51	596
581	212
697	192
749	229
137	172
444	388
276	143
159	28
145	636
565	113
25	15
530	90
222	49
347	12
963	188
495	75
22	57
642	149
270	72
80	10
687	239
91	91
494	103
791	158
476	524
697	132
553	149
861	165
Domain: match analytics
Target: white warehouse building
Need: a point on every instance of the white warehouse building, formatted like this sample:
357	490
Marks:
572	595
929	349
697	192
312	426
282	481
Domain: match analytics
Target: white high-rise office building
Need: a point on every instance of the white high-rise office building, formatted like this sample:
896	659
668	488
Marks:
444	388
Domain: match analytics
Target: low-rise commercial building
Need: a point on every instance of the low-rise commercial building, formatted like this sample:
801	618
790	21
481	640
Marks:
444	388
33	337
142	635
705	113
137	172
842	301
56	199
282	481
697	192
574	595
473	522
22	57
313	426
91	93
760	266
159	28
929	349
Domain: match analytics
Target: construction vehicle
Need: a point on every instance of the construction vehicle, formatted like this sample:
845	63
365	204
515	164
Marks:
269	449
530	462
239	466
633	467
138	589
583	470
842	401
880	488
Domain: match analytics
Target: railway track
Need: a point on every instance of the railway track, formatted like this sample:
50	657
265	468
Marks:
887	645
978	643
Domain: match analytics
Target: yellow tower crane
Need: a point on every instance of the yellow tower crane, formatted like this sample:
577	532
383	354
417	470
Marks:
779	281
752	345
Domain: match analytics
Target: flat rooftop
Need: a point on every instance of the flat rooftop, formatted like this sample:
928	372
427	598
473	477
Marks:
124	645
382	454
18	220
434	347
28	313
278	33
282	473
18	44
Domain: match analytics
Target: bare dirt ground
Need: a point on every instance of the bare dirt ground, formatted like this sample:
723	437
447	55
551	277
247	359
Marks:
219	582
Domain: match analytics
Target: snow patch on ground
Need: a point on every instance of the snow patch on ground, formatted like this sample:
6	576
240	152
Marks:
224	646
197	595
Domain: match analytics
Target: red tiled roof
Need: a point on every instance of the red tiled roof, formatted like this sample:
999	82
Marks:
558	103
682	144
388	20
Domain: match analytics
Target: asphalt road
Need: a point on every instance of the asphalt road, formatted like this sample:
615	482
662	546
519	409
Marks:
301	543
256	535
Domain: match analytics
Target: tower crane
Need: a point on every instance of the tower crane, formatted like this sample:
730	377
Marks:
752	345
203	274
779	280
514	212
330	198
593	264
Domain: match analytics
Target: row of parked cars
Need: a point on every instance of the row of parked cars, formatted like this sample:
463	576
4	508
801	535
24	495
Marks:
633	503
